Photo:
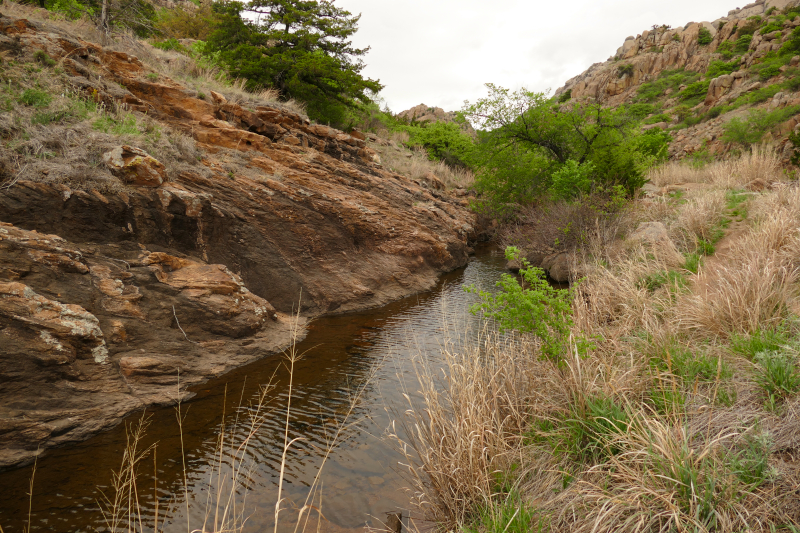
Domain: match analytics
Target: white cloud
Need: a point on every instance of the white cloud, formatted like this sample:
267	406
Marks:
441	52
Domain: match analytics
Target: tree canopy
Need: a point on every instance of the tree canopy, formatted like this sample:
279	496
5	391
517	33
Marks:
302	48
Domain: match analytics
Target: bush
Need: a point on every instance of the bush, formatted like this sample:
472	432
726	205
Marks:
743	44
718	68
538	309
625	70
42	57
695	93
751	130
565	96
769	72
704	37
662	117
792	44
725	49
668	79
571	180
444	141
641	110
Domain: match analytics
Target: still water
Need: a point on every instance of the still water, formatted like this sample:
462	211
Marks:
361	480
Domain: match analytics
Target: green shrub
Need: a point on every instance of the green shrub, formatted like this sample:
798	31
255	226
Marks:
171	44
725	49
572	179
715	111
769	72
655	119
444	141
695	93
35	98
641	110
537	308
668	79
792	45
704	36
625	70
771	26
751	130
742	44
718	68
565	96
705	248
42	57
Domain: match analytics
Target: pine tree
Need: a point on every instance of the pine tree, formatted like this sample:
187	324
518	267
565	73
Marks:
302	48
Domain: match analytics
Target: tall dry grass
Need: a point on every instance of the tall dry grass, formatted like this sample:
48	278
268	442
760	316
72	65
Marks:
416	164
761	163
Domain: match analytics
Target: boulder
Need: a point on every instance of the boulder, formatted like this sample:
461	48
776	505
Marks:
135	167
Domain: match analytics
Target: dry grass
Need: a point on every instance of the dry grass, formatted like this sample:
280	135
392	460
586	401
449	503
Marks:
417	165
762	163
700	449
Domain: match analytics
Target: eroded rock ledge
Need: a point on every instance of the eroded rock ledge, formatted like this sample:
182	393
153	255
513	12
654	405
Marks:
107	297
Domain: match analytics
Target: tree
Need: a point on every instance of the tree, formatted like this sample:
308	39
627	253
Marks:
300	47
528	138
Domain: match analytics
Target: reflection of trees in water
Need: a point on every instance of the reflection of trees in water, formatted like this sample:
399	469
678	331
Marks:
341	353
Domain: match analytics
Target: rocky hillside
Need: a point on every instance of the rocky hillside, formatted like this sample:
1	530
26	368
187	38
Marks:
153	235
693	79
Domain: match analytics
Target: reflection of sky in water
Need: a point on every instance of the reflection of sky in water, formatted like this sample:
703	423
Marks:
358	481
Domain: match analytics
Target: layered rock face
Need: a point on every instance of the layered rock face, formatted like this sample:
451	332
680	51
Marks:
110	301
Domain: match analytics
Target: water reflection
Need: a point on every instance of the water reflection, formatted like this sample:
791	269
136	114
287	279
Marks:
359	481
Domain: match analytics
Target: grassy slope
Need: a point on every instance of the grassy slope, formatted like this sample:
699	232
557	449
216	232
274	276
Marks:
685	415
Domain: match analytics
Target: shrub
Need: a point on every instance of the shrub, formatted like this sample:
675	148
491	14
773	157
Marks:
668	79
704	37
640	110
770	27
539	309
171	44
565	96
662	117
35	98
571	180
743	43
695	93
42	57
179	23
792	44
625	70
750	130
444	141
725	49
718	68
769	72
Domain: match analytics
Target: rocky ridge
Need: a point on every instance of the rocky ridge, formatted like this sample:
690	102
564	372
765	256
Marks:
645	57
112	300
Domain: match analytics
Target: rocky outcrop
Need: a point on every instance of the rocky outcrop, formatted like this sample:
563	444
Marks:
426	114
117	299
90	333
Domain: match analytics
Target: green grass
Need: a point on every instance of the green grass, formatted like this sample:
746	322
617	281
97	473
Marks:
35	98
751	463
675	281
692	263
125	125
718	68
510	515
777	375
669	79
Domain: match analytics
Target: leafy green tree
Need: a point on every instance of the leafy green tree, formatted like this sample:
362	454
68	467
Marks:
527	138
300	47
445	141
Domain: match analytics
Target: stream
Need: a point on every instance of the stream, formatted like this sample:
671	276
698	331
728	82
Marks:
361	480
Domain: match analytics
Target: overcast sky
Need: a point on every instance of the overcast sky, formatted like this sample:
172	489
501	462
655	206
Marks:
442	52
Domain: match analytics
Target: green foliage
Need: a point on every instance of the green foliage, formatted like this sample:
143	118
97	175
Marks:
666	399
777	374
699	368
704	36
527	137
300	47
725	49
180	23
572	179
590	431
668	79
42	57
792	45
718	68
752	129
566	96
35	98
692	263
444	141
625	70
510	515
751	463
675	281
124	125
171	44
152	76
641	110
71	9
762	340
695	93
531	307
771	27
742	43
662	117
